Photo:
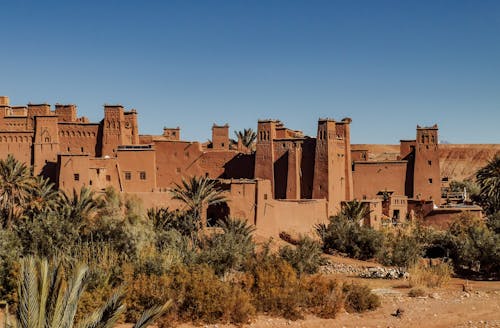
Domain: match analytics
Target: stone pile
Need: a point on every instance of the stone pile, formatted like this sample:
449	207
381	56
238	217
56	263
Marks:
377	272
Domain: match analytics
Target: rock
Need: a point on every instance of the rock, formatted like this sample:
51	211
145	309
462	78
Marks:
399	313
435	296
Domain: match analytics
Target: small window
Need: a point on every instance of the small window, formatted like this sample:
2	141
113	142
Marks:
108	177
128	176
76	177
142	175
430	180
429	162
90	182
178	170
82	149
222	144
265	196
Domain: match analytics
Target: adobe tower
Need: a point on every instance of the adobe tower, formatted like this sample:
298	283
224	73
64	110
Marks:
426	176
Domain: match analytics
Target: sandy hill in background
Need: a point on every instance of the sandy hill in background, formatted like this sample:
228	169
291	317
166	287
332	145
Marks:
457	161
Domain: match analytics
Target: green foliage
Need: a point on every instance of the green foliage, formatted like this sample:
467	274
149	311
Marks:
354	210
359	298
305	257
47	235
472	245
401	249
16	184
197	192
346	236
47	300
493	222
472	188
10	251
247	137
488	179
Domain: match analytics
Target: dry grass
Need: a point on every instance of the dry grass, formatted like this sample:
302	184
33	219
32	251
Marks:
430	277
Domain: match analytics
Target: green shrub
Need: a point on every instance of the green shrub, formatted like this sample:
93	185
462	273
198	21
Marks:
400	249
305	257
346	236
10	250
359	298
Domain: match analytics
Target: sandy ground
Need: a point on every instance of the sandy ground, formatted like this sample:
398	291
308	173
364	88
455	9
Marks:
447	307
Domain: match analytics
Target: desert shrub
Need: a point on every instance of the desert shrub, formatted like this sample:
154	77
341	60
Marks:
203	297
400	249
417	292
305	257
47	235
431	276
10	250
276	287
471	245
493	222
346	236
143	291
321	296
230	249
359	298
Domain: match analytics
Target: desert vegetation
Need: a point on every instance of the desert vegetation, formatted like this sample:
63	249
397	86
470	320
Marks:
135	260
122	263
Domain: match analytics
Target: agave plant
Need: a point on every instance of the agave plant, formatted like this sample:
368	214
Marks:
46	300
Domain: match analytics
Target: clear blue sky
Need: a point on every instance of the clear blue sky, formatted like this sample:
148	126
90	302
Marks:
389	65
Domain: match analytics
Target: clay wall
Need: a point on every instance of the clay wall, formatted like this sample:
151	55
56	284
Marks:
406	147
104	173
372	177
65	113
18	144
45	146
15	123
398	208
79	138
138	168
359	155
442	218
293	216
172	133
73	172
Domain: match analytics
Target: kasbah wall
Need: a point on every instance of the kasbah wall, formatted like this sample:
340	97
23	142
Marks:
289	183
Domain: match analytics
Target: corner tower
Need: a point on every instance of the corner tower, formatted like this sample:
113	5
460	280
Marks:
264	152
426	174
332	165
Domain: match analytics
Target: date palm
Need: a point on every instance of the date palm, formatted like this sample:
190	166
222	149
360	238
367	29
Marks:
44	196
197	192
16	184
354	210
47	301
80	206
247	137
488	179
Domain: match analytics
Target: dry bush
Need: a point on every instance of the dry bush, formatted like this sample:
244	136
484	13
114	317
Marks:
417	292
359	298
431	277
321	296
276	288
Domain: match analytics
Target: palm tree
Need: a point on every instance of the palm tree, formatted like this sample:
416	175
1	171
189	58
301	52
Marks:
488	179
44	196
247	137
47	301
16	184
80	206
196	193
354	210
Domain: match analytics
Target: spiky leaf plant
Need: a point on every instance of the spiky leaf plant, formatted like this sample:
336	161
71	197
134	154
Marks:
47	300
